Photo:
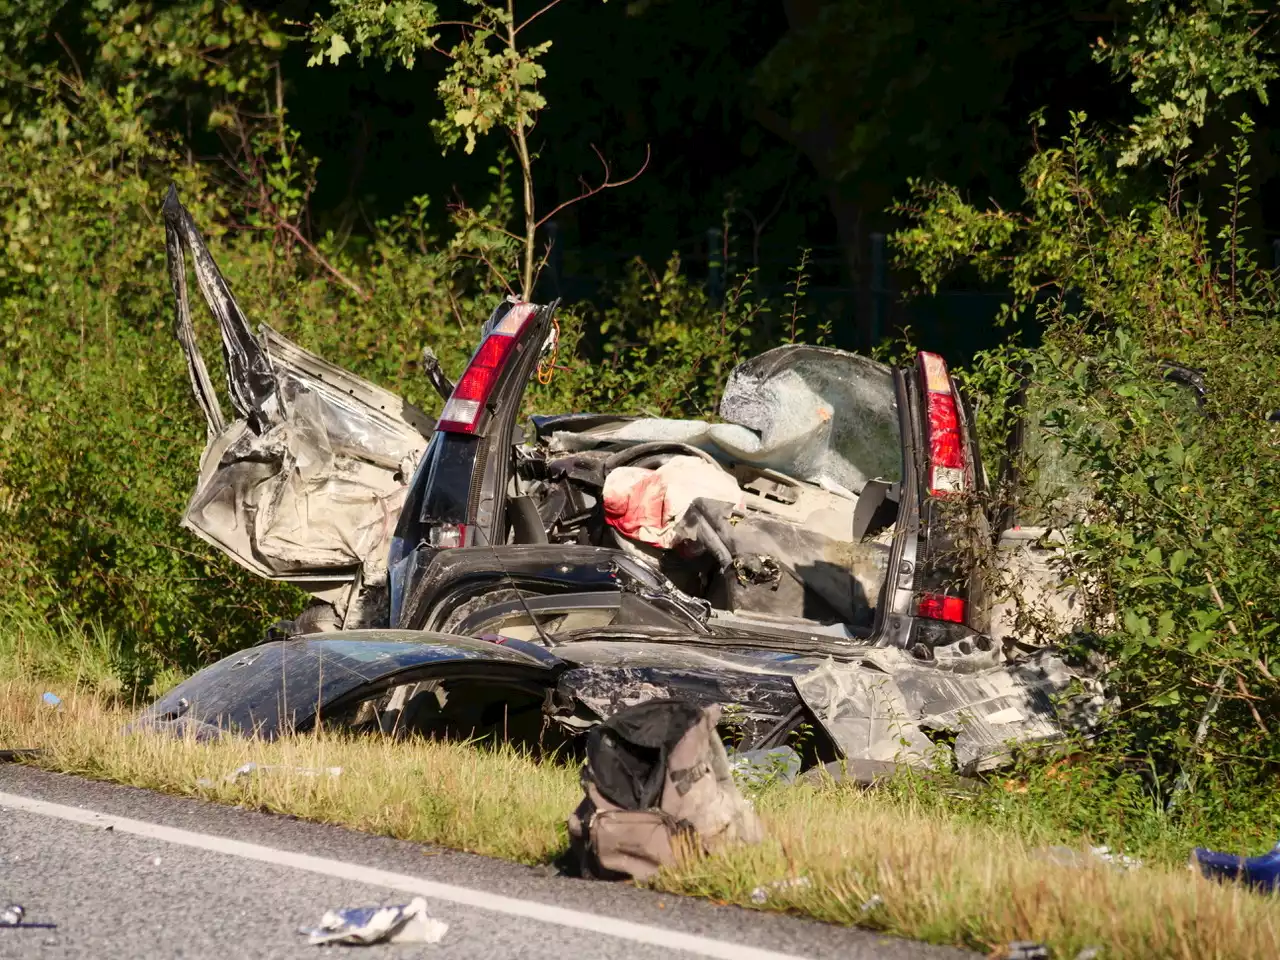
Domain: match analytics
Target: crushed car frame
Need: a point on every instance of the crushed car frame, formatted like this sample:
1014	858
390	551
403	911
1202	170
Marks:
794	562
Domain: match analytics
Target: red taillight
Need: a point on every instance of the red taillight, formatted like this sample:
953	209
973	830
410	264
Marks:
935	606
467	402
946	446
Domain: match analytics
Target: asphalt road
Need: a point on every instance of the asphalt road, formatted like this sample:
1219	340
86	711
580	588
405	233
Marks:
106	871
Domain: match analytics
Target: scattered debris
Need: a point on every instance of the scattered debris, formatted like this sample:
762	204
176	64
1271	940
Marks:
52	700
656	775
251	768
1123	861
757	767
1030	950
873	902
1072	857
404	923
155	861
761	894
11	916
1022	950
1261	872
756	569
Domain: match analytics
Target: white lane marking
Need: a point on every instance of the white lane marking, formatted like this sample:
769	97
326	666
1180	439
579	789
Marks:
464	896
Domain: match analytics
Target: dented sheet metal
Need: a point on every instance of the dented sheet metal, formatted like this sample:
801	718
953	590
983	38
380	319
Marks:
277	688
890	707
306	483
775	566
813	413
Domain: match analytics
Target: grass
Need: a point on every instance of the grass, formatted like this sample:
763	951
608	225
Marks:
944	872
966	868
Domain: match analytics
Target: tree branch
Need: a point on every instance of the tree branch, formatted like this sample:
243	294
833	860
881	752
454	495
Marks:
70	56
483	258
536	15
606	184
1248	699
320	258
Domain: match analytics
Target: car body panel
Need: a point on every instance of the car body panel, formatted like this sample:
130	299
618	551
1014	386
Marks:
793	609
281	687
306	482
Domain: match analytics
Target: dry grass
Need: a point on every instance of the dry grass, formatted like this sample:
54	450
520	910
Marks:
490	801
940	879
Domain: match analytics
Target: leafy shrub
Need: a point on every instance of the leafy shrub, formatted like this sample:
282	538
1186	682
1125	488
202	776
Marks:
1178	544
100	435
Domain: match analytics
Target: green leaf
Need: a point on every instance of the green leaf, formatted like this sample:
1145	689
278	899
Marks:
1137	625
1198	641
1177	561
527	73
338	48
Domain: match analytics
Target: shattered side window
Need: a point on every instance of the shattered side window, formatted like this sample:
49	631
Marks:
822	415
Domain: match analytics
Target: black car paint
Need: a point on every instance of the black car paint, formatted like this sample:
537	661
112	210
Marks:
284	687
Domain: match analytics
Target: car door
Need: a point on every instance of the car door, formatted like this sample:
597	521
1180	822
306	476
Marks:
304	483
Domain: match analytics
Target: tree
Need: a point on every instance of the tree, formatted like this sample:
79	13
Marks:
490	83
874	92
1113	248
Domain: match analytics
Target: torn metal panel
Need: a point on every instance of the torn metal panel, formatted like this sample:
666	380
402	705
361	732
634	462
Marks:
864	712
813	413
280	687
753	704
884	706
249	376
307	483
201	383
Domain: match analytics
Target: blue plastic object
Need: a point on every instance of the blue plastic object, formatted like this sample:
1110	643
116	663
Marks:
51	700
1262	873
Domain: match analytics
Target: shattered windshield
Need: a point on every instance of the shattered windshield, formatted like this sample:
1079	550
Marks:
822	415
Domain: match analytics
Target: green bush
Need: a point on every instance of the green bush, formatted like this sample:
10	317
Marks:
1178	548
99	434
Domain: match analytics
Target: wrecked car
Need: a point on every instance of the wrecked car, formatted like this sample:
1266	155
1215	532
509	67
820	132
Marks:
799	562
